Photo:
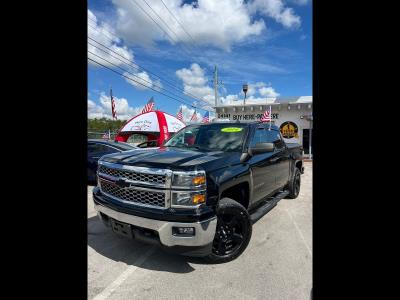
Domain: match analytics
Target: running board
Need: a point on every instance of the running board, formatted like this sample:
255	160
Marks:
267	206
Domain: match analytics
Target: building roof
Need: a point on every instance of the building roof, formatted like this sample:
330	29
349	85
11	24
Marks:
272	101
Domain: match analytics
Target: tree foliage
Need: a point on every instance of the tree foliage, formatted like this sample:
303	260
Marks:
103	125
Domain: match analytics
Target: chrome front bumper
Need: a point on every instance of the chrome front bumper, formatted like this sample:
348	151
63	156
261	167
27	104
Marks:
204	231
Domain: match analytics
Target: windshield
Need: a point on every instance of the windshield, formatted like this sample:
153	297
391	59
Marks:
220	137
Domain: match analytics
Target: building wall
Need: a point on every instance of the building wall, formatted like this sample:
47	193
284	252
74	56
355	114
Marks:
280	114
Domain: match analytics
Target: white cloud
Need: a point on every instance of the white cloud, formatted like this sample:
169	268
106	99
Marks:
142	81
276	9
116	55
195	83
105	35
124	111
213	23
257	92
254	88
268	92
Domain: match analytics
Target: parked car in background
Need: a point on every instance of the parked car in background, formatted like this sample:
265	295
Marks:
98	148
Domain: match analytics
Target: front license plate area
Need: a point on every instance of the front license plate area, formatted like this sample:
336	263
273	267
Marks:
122	229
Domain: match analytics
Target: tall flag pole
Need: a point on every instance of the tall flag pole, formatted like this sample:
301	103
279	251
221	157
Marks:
149	106
270	117
113	111
206	118
179	116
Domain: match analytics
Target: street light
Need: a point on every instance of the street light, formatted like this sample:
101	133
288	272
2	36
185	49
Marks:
245	89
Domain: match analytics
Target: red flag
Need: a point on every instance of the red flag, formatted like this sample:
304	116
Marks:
194	117
149	106
266	117
206	117
113	111
179	116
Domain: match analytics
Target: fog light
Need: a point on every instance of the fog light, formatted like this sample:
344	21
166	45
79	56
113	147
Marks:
183	231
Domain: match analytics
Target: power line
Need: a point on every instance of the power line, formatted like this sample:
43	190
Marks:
102	28
166	25
186	51
136	66
151	83
104	66
188	104
159	26
185	93
112	41
176	19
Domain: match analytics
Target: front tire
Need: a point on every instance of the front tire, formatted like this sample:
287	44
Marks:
233	232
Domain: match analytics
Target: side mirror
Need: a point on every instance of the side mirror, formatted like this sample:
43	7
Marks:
262	148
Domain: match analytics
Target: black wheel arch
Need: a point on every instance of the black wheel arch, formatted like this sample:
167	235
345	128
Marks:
239	192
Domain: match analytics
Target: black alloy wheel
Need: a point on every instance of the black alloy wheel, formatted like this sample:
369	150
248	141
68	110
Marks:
232	233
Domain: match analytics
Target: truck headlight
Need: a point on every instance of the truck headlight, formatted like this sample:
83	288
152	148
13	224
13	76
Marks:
188	198
194	179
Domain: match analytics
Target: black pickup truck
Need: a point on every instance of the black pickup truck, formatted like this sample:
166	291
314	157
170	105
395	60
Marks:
200	193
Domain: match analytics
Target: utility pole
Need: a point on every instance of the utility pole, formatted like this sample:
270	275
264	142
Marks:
216	86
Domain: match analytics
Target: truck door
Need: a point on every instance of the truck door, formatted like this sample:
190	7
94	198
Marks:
262	166
283	160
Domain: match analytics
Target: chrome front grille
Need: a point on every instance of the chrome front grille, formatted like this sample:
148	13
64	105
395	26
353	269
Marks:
134	195
134	176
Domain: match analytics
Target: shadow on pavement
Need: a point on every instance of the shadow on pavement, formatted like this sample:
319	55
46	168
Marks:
120	249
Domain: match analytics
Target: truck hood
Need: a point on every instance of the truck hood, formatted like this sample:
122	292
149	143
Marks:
174	158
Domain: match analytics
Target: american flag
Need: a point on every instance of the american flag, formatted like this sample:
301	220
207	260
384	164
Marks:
107	135
113	111
266	117
194	117
206	117
179	116
149	106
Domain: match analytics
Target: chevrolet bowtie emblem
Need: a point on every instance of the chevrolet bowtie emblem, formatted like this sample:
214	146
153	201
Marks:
122	183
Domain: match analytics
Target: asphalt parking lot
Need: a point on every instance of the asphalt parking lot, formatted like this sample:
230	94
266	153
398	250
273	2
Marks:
277	264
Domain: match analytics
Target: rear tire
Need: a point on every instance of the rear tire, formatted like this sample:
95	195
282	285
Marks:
233	232
294	185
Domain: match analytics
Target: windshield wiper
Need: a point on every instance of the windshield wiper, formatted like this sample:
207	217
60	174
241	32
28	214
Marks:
199	147
176	146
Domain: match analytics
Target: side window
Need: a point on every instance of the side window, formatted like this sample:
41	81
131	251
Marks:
260	136
263	135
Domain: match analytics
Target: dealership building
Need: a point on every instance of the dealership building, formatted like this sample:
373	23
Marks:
293	116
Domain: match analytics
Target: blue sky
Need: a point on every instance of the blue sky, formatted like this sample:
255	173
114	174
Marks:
265	43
